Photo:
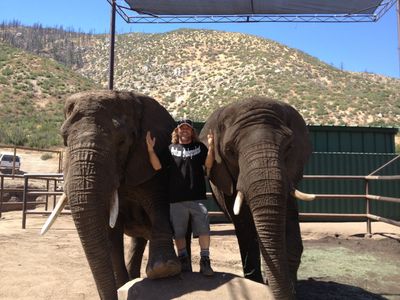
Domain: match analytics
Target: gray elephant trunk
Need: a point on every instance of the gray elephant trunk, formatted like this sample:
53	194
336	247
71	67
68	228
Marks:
262	180
89	194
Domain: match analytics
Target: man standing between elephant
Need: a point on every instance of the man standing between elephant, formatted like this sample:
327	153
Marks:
187	189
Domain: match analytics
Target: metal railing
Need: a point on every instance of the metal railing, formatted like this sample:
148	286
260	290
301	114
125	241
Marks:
327	216
4	189
367	216
368	198
53	190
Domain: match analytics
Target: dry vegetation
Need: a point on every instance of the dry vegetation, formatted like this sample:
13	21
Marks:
190	72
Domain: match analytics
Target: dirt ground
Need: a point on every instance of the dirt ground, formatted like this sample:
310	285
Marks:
338	261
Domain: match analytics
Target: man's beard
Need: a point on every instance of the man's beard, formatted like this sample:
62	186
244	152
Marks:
185	139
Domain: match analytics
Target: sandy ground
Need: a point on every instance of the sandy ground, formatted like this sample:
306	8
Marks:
338	261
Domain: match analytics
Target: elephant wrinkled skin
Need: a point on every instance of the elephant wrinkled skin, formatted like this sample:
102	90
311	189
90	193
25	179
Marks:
106	159
261	146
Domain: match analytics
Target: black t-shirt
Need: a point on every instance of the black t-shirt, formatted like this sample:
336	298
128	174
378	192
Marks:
186	173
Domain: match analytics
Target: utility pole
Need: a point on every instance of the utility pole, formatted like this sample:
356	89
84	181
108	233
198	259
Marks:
398	32
112	44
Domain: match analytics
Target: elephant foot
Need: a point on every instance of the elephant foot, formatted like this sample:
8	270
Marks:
165	269
163	261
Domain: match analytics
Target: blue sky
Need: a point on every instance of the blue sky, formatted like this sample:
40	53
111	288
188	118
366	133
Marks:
371	47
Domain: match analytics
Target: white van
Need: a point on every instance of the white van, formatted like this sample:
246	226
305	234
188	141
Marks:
7	161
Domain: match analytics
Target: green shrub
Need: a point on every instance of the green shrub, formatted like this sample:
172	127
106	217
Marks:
7	72
46	156
13	135
3	80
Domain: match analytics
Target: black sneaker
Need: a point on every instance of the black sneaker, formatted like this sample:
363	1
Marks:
186	264
205	266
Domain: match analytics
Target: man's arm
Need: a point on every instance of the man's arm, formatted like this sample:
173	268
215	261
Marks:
210	154
154	161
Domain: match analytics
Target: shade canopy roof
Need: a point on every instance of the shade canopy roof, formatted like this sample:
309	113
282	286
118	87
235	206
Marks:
252	10
239	7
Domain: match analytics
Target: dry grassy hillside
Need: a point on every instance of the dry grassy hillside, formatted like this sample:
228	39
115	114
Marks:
190	72
196	71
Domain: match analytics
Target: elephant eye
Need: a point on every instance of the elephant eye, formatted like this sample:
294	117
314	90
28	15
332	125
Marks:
229	149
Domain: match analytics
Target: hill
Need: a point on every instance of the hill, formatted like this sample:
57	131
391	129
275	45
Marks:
32	89
196	71
193	72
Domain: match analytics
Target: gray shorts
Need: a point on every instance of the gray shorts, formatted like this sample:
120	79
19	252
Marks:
179	214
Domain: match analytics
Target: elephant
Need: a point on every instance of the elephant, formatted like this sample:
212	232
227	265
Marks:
112	188
261	147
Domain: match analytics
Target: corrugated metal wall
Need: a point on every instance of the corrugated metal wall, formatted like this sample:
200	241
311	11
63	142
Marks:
348	139
352	139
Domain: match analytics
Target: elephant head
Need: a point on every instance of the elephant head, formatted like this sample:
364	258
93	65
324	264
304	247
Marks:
106	156
261	146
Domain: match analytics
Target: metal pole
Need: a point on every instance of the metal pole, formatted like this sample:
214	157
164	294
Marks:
112	43
54	196
398	31
15	153
1	194
24	199
368	209
60	161
47	196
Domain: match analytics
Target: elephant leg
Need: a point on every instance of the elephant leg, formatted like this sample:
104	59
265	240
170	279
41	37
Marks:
294	244
248	241
116	237
163	261
135	255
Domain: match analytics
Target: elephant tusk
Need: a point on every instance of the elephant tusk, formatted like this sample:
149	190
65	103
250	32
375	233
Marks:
114	207
54	214
238	203
303	196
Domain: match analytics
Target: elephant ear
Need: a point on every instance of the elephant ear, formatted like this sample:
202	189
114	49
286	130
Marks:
219	173
154	118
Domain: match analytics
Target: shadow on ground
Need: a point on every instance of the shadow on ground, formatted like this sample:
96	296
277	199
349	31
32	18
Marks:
195	286
320	290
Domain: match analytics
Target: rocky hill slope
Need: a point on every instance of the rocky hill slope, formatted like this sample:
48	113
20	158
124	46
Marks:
196	71
191	72
32	91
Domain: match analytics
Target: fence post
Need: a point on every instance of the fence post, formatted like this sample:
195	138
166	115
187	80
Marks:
1	194
54	196
367	208
13	167
47	196
60	161
24	202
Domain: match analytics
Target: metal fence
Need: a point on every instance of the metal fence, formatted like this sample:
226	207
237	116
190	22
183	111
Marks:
351	164
52	188
369	198
10	188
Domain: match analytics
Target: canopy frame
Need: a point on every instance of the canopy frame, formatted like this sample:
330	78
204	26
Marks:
131	16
